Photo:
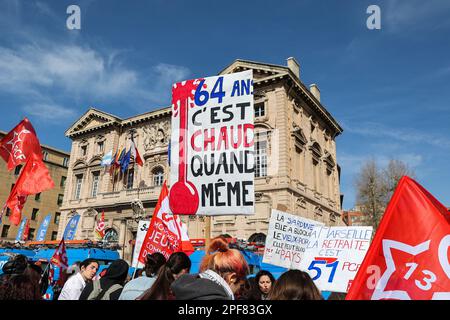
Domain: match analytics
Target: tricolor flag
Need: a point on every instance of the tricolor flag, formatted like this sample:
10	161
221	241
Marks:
166	234
409	256
135	154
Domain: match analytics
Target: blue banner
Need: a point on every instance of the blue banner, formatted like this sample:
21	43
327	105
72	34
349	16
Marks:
71	227
43	228
22	226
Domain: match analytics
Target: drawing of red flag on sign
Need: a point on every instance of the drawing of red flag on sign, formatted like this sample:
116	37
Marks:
166	234
33	179
19	144
408	258
59	258
100	227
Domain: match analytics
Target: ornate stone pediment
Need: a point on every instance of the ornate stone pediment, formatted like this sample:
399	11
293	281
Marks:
91	121
156	135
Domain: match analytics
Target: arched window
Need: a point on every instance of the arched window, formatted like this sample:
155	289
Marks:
158	177
111	235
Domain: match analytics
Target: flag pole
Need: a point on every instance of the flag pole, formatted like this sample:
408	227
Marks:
207	232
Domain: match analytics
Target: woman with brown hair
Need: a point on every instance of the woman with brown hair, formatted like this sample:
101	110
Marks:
295	285
177	265
222	273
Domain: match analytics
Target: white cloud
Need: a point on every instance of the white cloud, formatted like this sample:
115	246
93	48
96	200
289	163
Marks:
49	112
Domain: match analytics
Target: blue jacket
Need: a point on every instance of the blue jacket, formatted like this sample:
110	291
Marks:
136	287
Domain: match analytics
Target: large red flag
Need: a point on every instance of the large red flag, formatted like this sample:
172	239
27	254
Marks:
166	234
18	145
59	258
409	256
33	179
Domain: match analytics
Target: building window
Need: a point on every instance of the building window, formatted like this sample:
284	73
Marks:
95	181
12	186
78	184
8	211
158	177
17	170
5	231
34	214
60	199
37	197
66	162
260	110
45	155
57	216
130	178
63	182
261	155
54	235
83	150
31	234
100	146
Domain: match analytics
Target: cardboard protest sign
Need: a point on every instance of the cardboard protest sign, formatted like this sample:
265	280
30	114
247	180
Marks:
334	255
140	236
287	239
212	146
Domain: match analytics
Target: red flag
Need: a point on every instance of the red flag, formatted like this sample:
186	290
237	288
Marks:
19	144
33	179
59	258
166	234
26	231
100	227
408	258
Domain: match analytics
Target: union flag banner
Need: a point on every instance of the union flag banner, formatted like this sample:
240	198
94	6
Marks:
21	142
100	227
59	258
409	256
166	234
33	179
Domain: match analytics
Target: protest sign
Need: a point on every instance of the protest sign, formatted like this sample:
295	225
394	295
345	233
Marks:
213	140
334	255
140	236
287	239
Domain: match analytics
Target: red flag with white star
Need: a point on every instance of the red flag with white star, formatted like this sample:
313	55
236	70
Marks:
409	256
17	146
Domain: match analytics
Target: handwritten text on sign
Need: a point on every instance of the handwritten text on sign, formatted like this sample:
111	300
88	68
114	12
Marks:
213	140
287	239
334	255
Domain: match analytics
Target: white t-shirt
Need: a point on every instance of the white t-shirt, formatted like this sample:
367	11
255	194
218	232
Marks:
73	287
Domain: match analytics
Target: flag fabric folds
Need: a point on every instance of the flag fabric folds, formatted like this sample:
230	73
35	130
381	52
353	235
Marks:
135	154
42	231
125	161
26	231
107	159
408	258
19	144
166	234
59	258
33	179
100	227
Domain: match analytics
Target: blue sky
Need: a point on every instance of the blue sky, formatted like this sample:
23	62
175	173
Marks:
388	88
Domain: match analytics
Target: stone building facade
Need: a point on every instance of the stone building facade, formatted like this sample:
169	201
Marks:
38	206
296	169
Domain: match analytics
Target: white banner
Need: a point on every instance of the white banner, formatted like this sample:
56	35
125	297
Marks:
212	146
334	255
287	239
140	236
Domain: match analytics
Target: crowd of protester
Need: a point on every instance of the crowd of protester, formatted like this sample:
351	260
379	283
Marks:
223	275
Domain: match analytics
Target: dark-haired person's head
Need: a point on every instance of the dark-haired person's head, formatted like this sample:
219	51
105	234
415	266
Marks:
264	280
230	264
20	287
16	265
117	271
295	285
153	263
177	265
89	268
